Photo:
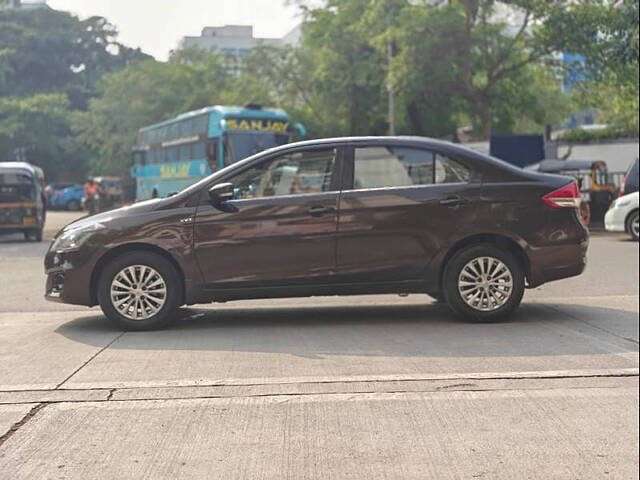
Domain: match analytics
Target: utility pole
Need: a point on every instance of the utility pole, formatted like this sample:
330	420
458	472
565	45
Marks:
391	90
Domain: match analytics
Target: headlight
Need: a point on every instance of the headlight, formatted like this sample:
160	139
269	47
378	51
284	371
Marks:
72	239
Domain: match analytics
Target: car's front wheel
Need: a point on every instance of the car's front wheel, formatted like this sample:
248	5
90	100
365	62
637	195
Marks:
483	282
140	291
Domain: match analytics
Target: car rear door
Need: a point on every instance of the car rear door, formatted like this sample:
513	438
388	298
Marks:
399	208
280	228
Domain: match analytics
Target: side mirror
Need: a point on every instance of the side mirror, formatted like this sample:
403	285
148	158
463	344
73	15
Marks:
221	193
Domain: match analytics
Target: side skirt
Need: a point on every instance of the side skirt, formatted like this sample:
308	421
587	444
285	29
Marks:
294	291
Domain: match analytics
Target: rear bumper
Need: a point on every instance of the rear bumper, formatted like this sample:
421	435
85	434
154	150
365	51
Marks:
557	262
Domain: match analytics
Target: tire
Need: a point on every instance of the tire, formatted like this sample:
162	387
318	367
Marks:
148	311
632	225
33	235
505	296
73	205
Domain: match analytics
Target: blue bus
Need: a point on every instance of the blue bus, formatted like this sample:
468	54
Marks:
171	155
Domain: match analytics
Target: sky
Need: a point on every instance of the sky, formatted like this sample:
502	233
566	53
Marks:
156	26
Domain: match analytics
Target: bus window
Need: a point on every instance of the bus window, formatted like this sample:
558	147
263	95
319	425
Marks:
172	154
185	152
199	125
198	152
184	128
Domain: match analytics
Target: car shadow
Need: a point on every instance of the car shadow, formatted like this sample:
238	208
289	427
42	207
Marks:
430	330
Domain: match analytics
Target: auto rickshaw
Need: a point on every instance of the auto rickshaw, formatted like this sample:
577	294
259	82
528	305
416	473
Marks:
596	186
22	207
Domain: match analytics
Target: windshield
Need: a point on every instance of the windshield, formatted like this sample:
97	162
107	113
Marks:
16	187
240	145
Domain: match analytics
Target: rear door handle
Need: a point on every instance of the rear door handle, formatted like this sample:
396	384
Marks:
320	210
453	201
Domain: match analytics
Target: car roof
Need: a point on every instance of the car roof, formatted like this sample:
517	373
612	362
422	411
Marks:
22	166
425	142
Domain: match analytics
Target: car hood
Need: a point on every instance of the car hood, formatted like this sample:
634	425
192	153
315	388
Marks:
105	217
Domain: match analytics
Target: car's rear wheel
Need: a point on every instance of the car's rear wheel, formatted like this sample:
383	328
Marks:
633	226
140	291
33	235
74	205
483	282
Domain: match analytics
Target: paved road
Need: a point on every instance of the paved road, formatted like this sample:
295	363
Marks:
361	387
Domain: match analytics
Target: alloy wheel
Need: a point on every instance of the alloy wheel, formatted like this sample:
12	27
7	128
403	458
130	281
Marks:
138	292
485	284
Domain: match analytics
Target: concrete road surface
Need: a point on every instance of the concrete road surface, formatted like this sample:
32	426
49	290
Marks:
361	387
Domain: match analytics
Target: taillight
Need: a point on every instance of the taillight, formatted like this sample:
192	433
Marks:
564	197
622	184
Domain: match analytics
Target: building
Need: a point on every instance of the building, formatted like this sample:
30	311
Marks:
236	40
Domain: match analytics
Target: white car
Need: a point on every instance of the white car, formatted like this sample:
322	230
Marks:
623	215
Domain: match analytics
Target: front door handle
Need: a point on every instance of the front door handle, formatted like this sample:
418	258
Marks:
320	210
453	202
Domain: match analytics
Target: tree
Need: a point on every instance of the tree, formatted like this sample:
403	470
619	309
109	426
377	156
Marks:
348	73
45	51
40	126
142	94
50	63
605	33
490	53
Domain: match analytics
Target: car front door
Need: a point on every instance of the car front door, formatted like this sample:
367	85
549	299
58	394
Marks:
279	229
400	206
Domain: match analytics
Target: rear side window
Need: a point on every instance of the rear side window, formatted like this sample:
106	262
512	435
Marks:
381	166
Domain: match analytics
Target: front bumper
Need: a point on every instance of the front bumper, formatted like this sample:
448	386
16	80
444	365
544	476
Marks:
69	278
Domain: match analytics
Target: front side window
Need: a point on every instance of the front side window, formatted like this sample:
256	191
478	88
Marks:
294	173
240	145
383	166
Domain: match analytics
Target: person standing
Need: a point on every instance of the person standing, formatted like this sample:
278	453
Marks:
91	195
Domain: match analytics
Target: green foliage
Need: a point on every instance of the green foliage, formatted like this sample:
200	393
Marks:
50	63
581	135
47	51
141	94
348	75
40	124
606	34
75	97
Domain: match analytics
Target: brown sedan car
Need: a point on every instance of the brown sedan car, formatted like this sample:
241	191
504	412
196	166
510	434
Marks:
344	216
